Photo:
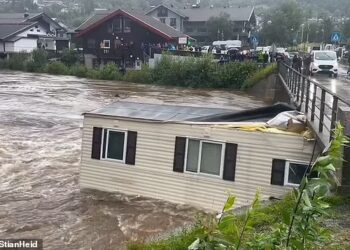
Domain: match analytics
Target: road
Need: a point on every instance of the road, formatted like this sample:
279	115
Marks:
339	86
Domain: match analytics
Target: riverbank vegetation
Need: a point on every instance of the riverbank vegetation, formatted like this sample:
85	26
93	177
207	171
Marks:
193	72
307	218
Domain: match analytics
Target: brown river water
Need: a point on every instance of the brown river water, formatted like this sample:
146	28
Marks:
40	141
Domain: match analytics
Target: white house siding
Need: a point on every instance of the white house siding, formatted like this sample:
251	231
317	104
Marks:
171	14
2	47
153	176
25	45
39	31
9	46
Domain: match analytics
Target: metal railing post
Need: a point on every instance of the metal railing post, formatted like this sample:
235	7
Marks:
313	106
323	98
302	91
307	98
334	114
298	89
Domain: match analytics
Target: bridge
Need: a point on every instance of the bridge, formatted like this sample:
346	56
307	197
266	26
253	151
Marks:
322	108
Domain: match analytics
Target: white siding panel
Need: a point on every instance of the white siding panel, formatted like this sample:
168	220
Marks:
25	45
152	176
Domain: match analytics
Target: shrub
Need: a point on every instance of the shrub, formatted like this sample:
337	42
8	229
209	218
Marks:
109	72
69	57
233	75
202	72
4	64
260	75
79	71
17	61
57	68
93	74
139	76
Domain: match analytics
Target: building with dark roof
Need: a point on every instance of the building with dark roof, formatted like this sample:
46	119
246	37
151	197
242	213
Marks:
24	32
122	36
193	20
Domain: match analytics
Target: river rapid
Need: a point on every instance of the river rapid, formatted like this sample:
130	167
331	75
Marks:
40	143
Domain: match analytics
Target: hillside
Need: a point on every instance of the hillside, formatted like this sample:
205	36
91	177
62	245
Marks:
74	12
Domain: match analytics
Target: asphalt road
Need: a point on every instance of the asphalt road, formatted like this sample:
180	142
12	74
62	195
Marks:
339	85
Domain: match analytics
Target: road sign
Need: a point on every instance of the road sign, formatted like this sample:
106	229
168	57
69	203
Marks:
336	37
254	40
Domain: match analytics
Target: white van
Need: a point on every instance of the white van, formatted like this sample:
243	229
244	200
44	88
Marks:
323	61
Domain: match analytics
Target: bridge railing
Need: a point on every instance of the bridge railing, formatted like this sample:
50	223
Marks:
319	104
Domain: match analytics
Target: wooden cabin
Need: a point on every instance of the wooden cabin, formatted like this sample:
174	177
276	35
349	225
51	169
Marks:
122	37
172	153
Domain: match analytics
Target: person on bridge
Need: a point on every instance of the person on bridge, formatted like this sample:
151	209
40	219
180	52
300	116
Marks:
307	63
295	62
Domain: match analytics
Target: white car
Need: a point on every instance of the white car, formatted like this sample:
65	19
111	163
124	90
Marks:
323	61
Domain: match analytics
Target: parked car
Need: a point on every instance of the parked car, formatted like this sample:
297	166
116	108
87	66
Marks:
324	62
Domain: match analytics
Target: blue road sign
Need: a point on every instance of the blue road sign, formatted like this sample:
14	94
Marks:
255	40
336	37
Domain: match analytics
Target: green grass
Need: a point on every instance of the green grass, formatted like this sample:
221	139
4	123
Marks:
258	76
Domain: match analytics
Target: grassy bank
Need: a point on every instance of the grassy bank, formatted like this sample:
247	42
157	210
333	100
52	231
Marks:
193	72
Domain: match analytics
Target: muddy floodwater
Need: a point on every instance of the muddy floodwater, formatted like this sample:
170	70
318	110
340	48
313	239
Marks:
40	142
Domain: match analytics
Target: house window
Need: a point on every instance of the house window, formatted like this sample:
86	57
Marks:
173	22
162	12
162	20
294	173
288	173
204	157
106	44
91	43
114	145
117	25
127	25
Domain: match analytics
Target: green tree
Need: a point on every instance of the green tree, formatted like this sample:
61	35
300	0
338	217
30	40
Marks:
346	30
220	28
327	29
282	24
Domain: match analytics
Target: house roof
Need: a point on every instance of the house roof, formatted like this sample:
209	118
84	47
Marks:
8	30
170	7
174	113
148	22
204	14
16	17
156	112
12	18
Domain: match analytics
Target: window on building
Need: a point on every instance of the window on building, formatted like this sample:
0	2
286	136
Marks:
162	20
91	43
106	44
204	157
202	29
118	25
287	173
127	25
114	145
162	12
173	22
294	173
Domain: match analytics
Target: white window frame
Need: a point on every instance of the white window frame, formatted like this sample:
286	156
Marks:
104	157
109	42
286	172
223	147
